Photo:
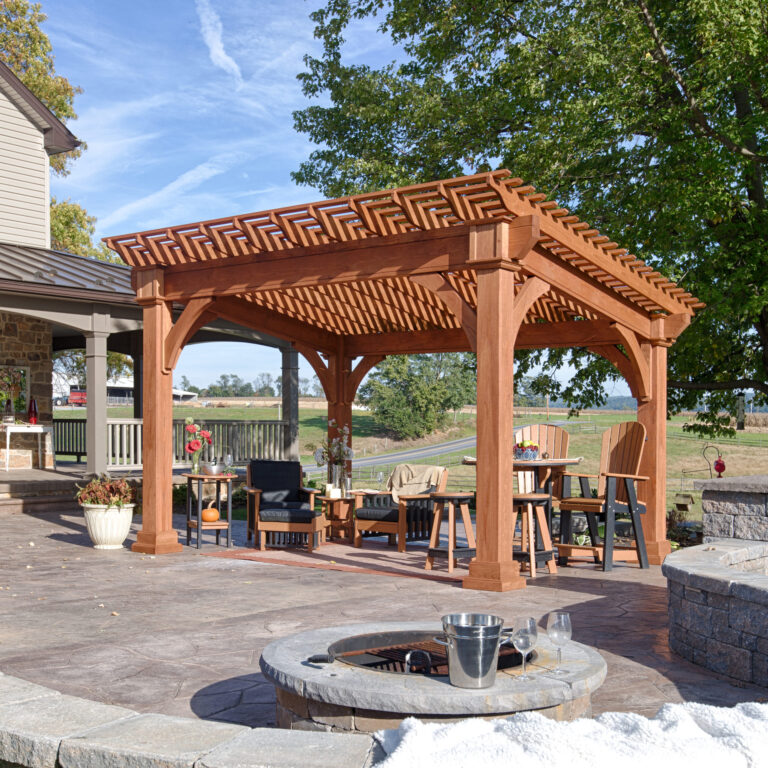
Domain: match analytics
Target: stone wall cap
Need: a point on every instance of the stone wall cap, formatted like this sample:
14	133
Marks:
147	741
31	732
742	483
277	748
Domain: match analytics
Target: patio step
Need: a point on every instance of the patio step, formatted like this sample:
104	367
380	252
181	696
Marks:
38	504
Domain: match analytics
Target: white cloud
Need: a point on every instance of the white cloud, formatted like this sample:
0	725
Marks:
187	181
212	31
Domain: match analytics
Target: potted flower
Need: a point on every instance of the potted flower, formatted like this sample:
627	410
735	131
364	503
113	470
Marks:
197	439
108	506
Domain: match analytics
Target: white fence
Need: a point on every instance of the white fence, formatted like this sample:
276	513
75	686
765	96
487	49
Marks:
243	440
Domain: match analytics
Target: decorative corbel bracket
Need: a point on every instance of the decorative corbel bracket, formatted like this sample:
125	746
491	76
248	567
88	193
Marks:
466	316
191	320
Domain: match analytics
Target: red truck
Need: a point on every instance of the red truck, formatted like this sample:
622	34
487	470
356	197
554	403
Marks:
77	396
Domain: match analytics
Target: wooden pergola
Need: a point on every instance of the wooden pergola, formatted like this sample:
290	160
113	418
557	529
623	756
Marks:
481	263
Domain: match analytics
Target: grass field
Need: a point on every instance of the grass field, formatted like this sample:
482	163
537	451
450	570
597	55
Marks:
747	454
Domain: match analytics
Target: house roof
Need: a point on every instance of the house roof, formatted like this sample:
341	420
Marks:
55	273
56	136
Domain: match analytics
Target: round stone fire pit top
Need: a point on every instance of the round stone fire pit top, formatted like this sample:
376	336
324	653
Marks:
285	663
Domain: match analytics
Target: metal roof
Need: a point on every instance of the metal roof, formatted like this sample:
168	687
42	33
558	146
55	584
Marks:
56	273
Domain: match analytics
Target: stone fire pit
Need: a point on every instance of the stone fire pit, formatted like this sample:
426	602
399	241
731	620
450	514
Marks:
340	697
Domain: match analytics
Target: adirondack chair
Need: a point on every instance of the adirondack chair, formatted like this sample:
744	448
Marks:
533	506
622	450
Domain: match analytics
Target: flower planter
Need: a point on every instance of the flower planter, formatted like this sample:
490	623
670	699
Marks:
108	527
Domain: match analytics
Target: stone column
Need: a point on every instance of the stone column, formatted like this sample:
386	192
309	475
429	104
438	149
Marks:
290	393
96	406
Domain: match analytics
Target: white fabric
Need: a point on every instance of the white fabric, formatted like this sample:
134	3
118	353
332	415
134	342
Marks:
412	479
680	735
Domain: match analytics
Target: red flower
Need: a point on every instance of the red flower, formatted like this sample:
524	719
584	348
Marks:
209	441
205	434
193	446
191	428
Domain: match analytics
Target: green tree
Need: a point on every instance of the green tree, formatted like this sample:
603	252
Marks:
410	395
70	365
649	118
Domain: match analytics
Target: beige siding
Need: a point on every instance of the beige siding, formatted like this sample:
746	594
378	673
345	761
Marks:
24	184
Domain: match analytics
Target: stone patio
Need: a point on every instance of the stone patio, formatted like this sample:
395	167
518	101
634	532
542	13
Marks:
182	634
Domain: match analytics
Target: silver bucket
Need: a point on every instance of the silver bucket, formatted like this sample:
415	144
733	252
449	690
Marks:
472	641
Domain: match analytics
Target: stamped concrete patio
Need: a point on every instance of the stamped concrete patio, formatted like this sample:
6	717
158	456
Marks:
182	634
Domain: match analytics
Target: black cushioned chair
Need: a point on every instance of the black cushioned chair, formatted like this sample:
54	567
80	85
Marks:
277	504
410	518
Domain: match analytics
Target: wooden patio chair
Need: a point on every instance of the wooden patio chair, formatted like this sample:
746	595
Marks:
534	507
403	515
622	450
277	504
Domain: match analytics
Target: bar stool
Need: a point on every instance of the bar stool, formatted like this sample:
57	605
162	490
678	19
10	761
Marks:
449	502
536	542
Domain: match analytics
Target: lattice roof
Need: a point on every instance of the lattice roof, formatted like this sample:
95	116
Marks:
350	306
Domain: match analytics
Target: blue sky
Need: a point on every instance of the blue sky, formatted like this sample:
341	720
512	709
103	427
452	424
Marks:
187	112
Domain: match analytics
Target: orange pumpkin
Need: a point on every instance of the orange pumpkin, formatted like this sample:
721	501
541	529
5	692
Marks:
210	515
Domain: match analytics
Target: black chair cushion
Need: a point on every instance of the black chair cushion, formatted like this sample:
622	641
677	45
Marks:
279	481
382	514
277	515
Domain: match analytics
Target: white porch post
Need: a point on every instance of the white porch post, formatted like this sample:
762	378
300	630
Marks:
290	392
96	408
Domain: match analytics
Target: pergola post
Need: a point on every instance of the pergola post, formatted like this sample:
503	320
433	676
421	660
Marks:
157	535
290	395
138	373
493	568
653	416
96	403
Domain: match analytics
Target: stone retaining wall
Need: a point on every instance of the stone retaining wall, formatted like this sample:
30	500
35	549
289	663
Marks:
734	507
718	607
42	728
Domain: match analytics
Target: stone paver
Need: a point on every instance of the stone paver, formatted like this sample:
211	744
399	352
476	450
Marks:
182	634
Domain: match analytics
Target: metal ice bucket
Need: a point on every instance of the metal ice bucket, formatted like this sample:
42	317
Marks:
472	641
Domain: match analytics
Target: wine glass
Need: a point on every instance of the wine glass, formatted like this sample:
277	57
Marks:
524	637
559	630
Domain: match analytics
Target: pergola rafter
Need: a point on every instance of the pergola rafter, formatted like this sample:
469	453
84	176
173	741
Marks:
481	262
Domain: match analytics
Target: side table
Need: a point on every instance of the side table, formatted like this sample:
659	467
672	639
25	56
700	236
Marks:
339	512
450	501
197	522
29	429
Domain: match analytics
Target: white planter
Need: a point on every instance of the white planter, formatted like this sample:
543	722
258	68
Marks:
108	527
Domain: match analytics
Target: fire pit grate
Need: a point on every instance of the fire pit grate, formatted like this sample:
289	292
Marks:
388	654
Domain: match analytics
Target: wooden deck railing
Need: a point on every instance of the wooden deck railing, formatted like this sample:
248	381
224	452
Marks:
243	440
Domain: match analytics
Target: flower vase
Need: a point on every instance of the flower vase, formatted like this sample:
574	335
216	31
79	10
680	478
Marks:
195	464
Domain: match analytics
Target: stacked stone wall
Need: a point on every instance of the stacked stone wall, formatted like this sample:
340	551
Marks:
718	608
27	342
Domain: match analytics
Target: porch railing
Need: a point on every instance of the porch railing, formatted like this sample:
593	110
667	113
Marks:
243	440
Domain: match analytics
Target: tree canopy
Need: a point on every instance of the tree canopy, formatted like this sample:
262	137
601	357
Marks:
648	118
410	395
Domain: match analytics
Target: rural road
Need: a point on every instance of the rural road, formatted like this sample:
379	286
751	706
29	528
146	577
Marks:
413	454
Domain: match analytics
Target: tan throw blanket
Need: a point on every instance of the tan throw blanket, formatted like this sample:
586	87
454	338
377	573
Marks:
410	479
